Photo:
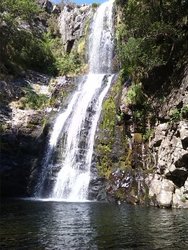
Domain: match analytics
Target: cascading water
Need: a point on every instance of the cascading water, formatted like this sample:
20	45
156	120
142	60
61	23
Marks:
78	122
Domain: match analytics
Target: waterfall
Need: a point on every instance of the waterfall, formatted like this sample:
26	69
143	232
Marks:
78	122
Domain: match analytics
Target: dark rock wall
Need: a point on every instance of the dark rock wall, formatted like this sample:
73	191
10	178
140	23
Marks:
22	135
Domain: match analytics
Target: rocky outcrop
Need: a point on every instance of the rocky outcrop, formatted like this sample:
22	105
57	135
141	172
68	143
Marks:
153	168
21	148
160	190
72	21
163	160
169	149
47	5
22	134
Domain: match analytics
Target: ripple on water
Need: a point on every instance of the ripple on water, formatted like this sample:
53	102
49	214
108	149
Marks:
32	224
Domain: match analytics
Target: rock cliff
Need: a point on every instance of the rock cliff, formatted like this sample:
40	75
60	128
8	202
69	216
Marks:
73	21
153	166
168	147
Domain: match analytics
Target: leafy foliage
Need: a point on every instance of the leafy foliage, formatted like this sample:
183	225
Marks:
152	33
135	95
24	9
24	45
178	114
33	101
21	45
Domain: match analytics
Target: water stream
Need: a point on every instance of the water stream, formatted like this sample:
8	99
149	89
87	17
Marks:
78	122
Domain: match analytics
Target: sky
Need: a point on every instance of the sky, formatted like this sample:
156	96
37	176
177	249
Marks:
82	1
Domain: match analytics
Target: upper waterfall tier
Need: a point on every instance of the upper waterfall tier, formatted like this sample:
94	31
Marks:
101	40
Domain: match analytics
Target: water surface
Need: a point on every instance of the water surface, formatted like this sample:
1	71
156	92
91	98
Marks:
26	224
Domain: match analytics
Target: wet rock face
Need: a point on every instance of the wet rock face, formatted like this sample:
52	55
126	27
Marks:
127	185
72	22
96	189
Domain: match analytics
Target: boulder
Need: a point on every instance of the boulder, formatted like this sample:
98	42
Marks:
161	190
180	198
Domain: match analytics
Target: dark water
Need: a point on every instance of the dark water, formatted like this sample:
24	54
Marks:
55	225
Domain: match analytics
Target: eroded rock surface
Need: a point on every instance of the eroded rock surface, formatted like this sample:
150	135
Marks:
154	167
72	21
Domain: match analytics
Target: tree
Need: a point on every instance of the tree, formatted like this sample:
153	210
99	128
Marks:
154	32
21	44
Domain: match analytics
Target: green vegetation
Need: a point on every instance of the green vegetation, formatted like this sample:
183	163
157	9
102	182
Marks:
135	95
175	114
63	63
151	45
179	114
148	134
106	138
108	121
105	143
23	45
31	100
95	5
151	34
184	112
25	9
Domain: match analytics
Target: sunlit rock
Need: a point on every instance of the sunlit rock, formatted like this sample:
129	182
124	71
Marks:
161	190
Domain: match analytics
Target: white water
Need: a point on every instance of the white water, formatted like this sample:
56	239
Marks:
101	39
78	122
73	178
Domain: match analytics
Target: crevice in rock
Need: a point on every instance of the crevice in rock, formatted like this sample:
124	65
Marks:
70	45
185	143
178	176
182	162
180	105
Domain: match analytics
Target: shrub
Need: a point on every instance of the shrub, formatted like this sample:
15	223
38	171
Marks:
33	100
95	5
152	33
135	95
175	114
